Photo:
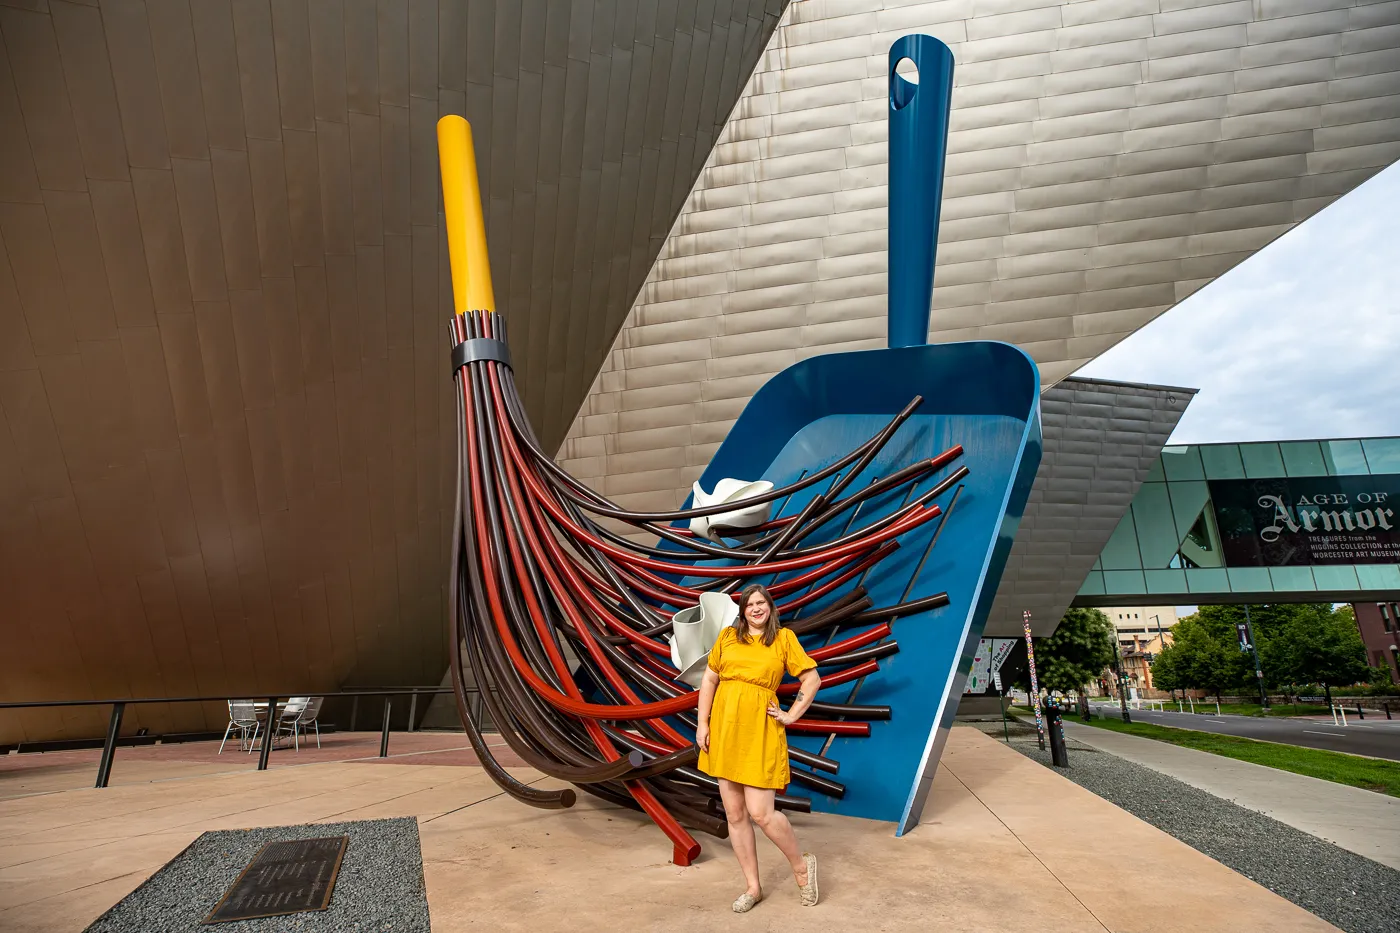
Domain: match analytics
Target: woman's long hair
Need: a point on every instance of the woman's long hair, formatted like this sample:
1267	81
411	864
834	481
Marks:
741	624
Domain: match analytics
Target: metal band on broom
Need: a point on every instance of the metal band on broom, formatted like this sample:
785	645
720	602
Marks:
1035	686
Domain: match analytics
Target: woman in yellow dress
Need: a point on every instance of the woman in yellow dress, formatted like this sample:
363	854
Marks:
742	738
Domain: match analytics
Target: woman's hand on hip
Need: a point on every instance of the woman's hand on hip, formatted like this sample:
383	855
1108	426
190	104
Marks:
702	736
777	712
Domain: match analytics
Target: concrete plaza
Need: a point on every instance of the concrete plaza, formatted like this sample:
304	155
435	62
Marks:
1005	844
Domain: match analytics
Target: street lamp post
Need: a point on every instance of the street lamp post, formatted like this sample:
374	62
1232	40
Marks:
1162	637
1254	651
1122	678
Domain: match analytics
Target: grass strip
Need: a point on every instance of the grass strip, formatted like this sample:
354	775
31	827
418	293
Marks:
1368	773
1254	709
1277	710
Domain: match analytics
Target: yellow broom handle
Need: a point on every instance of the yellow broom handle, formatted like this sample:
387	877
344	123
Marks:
466	228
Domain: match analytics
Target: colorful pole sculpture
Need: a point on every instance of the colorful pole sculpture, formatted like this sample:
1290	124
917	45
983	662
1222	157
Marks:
1035	686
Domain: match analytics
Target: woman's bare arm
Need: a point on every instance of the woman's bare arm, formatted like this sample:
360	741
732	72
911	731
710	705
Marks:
702	712
811	682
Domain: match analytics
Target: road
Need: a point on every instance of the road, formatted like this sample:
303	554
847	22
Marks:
1379	738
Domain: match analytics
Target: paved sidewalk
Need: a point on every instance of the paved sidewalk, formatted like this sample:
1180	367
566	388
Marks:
1000	849
1357	820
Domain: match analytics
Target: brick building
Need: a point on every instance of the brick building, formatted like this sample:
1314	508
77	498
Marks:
1380	630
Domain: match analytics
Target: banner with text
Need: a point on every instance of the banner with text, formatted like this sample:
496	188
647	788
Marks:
1281	522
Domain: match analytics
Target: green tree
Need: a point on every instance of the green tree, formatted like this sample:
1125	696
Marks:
1269	622
1166	670
1380	681
1082	646
1321	646
1203	655
1298	643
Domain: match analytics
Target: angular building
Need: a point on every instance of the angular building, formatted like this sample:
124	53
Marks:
226	451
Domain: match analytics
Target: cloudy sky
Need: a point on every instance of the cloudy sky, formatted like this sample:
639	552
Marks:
1302	340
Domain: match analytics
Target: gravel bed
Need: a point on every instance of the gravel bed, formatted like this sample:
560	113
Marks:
1345	889
379	888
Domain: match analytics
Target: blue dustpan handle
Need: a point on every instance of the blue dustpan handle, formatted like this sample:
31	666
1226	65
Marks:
918	147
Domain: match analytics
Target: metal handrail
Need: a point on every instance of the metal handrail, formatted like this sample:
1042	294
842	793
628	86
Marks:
109	744
400	691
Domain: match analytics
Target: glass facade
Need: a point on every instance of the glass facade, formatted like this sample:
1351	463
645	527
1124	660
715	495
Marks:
1290	517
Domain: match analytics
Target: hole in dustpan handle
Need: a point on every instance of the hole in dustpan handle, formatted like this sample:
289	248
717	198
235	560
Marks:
918	145
904	83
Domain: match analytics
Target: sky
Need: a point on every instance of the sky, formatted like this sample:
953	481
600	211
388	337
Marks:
1300	341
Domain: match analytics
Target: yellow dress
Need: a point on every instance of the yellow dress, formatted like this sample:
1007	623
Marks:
747	745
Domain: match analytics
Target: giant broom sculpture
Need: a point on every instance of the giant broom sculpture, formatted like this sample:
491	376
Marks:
565	621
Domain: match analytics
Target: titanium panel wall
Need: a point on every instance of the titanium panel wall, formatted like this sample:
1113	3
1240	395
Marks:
226	427
1107	159
1102	439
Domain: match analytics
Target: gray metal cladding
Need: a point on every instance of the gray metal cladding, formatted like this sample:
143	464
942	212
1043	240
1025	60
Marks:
1101	440
1107	159
226	424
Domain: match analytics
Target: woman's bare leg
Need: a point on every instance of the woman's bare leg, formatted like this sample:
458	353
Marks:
775	825
741	832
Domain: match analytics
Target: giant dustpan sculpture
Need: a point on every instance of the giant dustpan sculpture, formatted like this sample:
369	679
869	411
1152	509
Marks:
982	397
565	622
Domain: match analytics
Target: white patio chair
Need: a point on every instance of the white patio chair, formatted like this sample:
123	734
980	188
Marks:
287	718
243	716
308	718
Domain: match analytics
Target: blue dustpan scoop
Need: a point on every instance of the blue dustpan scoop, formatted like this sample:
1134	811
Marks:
983	395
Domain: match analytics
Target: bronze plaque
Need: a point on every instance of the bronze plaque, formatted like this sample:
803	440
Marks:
285	877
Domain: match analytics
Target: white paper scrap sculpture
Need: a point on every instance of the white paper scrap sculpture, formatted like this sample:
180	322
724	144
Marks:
693	634
729	490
